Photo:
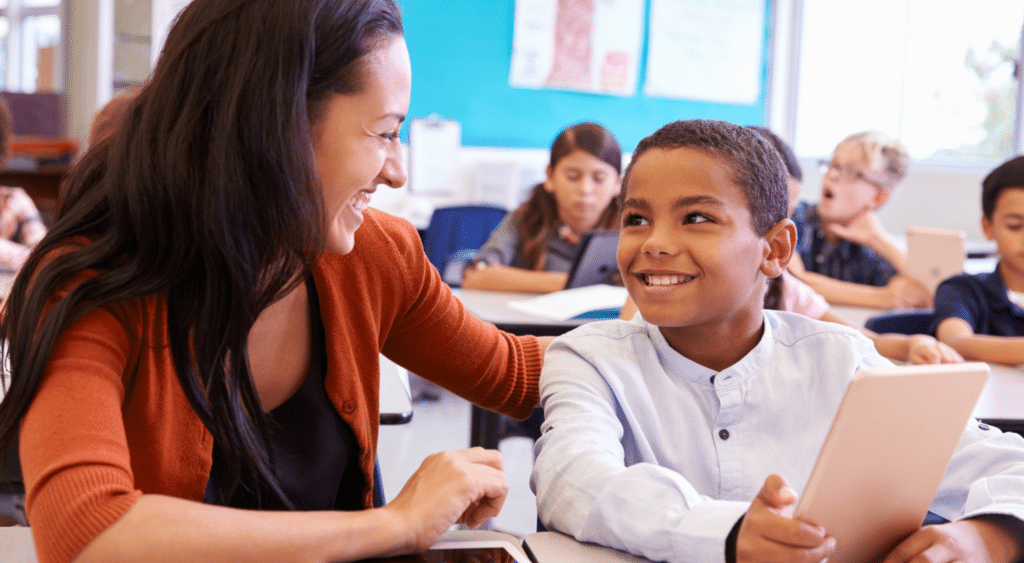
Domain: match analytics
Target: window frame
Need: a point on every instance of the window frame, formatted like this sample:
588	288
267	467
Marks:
784	79
16	13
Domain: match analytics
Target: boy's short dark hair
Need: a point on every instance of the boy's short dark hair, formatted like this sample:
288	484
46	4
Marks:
1009	174
757	166
785	151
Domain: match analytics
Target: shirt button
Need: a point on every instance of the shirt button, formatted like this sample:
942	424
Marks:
983	426
712	380
723	434
349	406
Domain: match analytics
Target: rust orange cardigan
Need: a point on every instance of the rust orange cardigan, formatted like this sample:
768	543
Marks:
110	421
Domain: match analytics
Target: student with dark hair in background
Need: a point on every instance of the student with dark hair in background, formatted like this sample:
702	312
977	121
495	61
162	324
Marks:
982	315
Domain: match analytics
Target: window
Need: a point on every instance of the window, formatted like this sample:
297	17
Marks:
940	76
30	45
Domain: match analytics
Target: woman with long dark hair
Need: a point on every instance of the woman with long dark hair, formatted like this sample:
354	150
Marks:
533	248
194	346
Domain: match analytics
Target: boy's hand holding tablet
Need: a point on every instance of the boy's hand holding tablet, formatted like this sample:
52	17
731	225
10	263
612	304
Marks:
768	532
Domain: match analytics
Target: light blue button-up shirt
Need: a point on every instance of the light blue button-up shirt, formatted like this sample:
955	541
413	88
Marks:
648	452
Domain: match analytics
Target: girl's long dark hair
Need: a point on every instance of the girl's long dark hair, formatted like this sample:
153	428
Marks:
538	215
206	196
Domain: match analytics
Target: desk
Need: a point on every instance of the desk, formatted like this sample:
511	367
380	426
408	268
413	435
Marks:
1002	400
16	546
492	306
856	316
553	547
395	396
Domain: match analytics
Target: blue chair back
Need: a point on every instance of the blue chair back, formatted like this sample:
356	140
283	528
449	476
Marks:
900	322
459	227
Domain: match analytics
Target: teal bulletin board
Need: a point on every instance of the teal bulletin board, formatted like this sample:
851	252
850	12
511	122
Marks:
461	52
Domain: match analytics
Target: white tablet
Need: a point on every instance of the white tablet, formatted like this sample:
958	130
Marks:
934	255
885	454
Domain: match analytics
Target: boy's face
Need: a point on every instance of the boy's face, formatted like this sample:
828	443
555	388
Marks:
688	252
849	189
1007	228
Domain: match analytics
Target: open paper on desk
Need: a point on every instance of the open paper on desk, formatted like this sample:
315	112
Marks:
568	303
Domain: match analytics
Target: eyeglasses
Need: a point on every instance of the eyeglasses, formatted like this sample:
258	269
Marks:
845	174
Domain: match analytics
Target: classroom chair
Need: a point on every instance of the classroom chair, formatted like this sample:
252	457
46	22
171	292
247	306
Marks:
914	321
12	488
458	228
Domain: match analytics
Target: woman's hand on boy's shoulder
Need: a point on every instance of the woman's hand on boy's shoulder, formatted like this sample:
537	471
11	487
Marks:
769	532
978	540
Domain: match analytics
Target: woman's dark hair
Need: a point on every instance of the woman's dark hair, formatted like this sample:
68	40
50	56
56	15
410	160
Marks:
207	196
538	215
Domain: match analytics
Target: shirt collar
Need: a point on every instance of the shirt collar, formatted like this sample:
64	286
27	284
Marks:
676	363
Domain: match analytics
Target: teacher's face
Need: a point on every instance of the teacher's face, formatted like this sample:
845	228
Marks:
356	141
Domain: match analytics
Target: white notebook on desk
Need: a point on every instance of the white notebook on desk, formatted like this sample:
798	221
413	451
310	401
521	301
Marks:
568	303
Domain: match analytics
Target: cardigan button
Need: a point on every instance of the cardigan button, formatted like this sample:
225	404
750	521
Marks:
350	407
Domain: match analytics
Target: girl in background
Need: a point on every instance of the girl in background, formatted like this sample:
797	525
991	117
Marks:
533	248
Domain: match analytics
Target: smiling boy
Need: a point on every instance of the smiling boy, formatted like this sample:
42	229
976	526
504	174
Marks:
684	434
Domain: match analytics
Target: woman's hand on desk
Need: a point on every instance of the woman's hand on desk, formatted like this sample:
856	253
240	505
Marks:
453	487
769	532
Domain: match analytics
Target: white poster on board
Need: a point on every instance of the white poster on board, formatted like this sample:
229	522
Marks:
580	45
434	145
708	51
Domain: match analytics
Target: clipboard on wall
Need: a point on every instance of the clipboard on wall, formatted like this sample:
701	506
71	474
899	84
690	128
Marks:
434	145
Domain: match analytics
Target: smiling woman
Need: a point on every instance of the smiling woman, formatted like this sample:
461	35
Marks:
356	141
197	339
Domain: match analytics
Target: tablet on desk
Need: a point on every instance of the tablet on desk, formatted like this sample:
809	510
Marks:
885	454
468	547
595	263
934	255
483	551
